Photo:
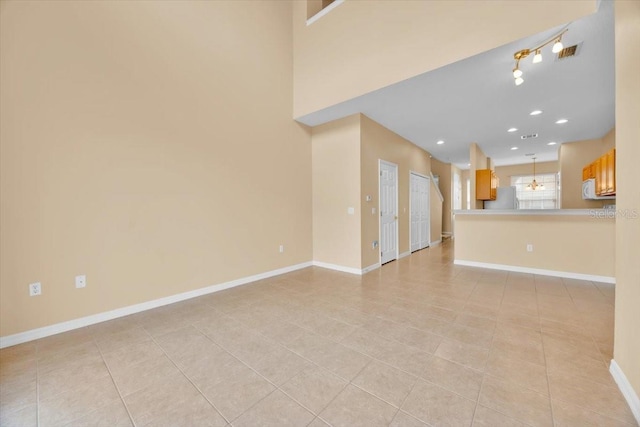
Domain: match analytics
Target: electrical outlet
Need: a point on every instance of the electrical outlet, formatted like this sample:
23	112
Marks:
35	289
529	247
81	281
281	248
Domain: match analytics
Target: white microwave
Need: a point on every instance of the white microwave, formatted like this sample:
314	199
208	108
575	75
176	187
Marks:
589	191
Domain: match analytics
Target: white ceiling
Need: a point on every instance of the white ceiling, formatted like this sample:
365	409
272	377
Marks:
476	100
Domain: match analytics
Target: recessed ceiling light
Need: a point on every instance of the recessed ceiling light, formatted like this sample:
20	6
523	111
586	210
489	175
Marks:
514	148
468	164
512	129
551	143
535	112
440	142
561	121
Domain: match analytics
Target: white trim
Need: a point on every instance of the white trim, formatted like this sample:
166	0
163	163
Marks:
404	254
554	273
324	11
342	268
627	390
370	268
436	243
433	179
337	267
81	322
447	233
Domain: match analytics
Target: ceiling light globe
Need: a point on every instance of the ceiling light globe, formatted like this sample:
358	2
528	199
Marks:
519	81
517	73
557	47
537	57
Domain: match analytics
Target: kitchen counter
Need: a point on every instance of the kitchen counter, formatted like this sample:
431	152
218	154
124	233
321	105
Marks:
573	243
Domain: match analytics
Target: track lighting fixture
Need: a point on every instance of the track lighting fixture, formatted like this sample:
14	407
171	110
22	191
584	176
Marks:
537	57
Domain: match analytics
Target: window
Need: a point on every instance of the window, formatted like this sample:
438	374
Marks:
546	198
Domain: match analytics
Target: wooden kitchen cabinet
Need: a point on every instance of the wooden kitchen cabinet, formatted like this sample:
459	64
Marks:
603	170
486	184
588	172
610	173
601	177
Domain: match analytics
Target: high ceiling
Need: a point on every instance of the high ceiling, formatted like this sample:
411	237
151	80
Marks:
476	100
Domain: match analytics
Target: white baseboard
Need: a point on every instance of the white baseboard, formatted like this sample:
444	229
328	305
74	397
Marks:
345	269
625	387
436	243
372	267
337	267
554	273
404	254
57	328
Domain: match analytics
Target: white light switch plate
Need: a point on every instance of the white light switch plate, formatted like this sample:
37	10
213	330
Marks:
81	281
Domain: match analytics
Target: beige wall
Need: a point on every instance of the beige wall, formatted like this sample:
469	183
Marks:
138	152
379	142
374	37
627	331
572	158
609	140
478	161
346	156
443	170
575	244
505	173
336	187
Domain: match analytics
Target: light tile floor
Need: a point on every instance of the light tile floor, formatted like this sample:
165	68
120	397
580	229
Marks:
418	342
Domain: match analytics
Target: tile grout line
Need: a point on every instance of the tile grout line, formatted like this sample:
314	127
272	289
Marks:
153	339
37	385
405	399
277	387
258	373
484	374
544	354
126	407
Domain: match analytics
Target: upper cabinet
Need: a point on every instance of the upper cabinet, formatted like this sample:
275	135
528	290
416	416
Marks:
611	173
603	170
486	184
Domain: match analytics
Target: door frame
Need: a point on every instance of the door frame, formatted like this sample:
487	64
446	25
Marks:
380	163
428	178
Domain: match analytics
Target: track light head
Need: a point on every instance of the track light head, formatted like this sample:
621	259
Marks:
557	46
517	73
537	57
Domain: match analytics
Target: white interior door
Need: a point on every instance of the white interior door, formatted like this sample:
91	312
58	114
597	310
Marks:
457	197
388	212
419	211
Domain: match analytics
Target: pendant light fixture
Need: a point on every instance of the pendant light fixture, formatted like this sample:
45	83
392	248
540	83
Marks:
537	57
534	186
